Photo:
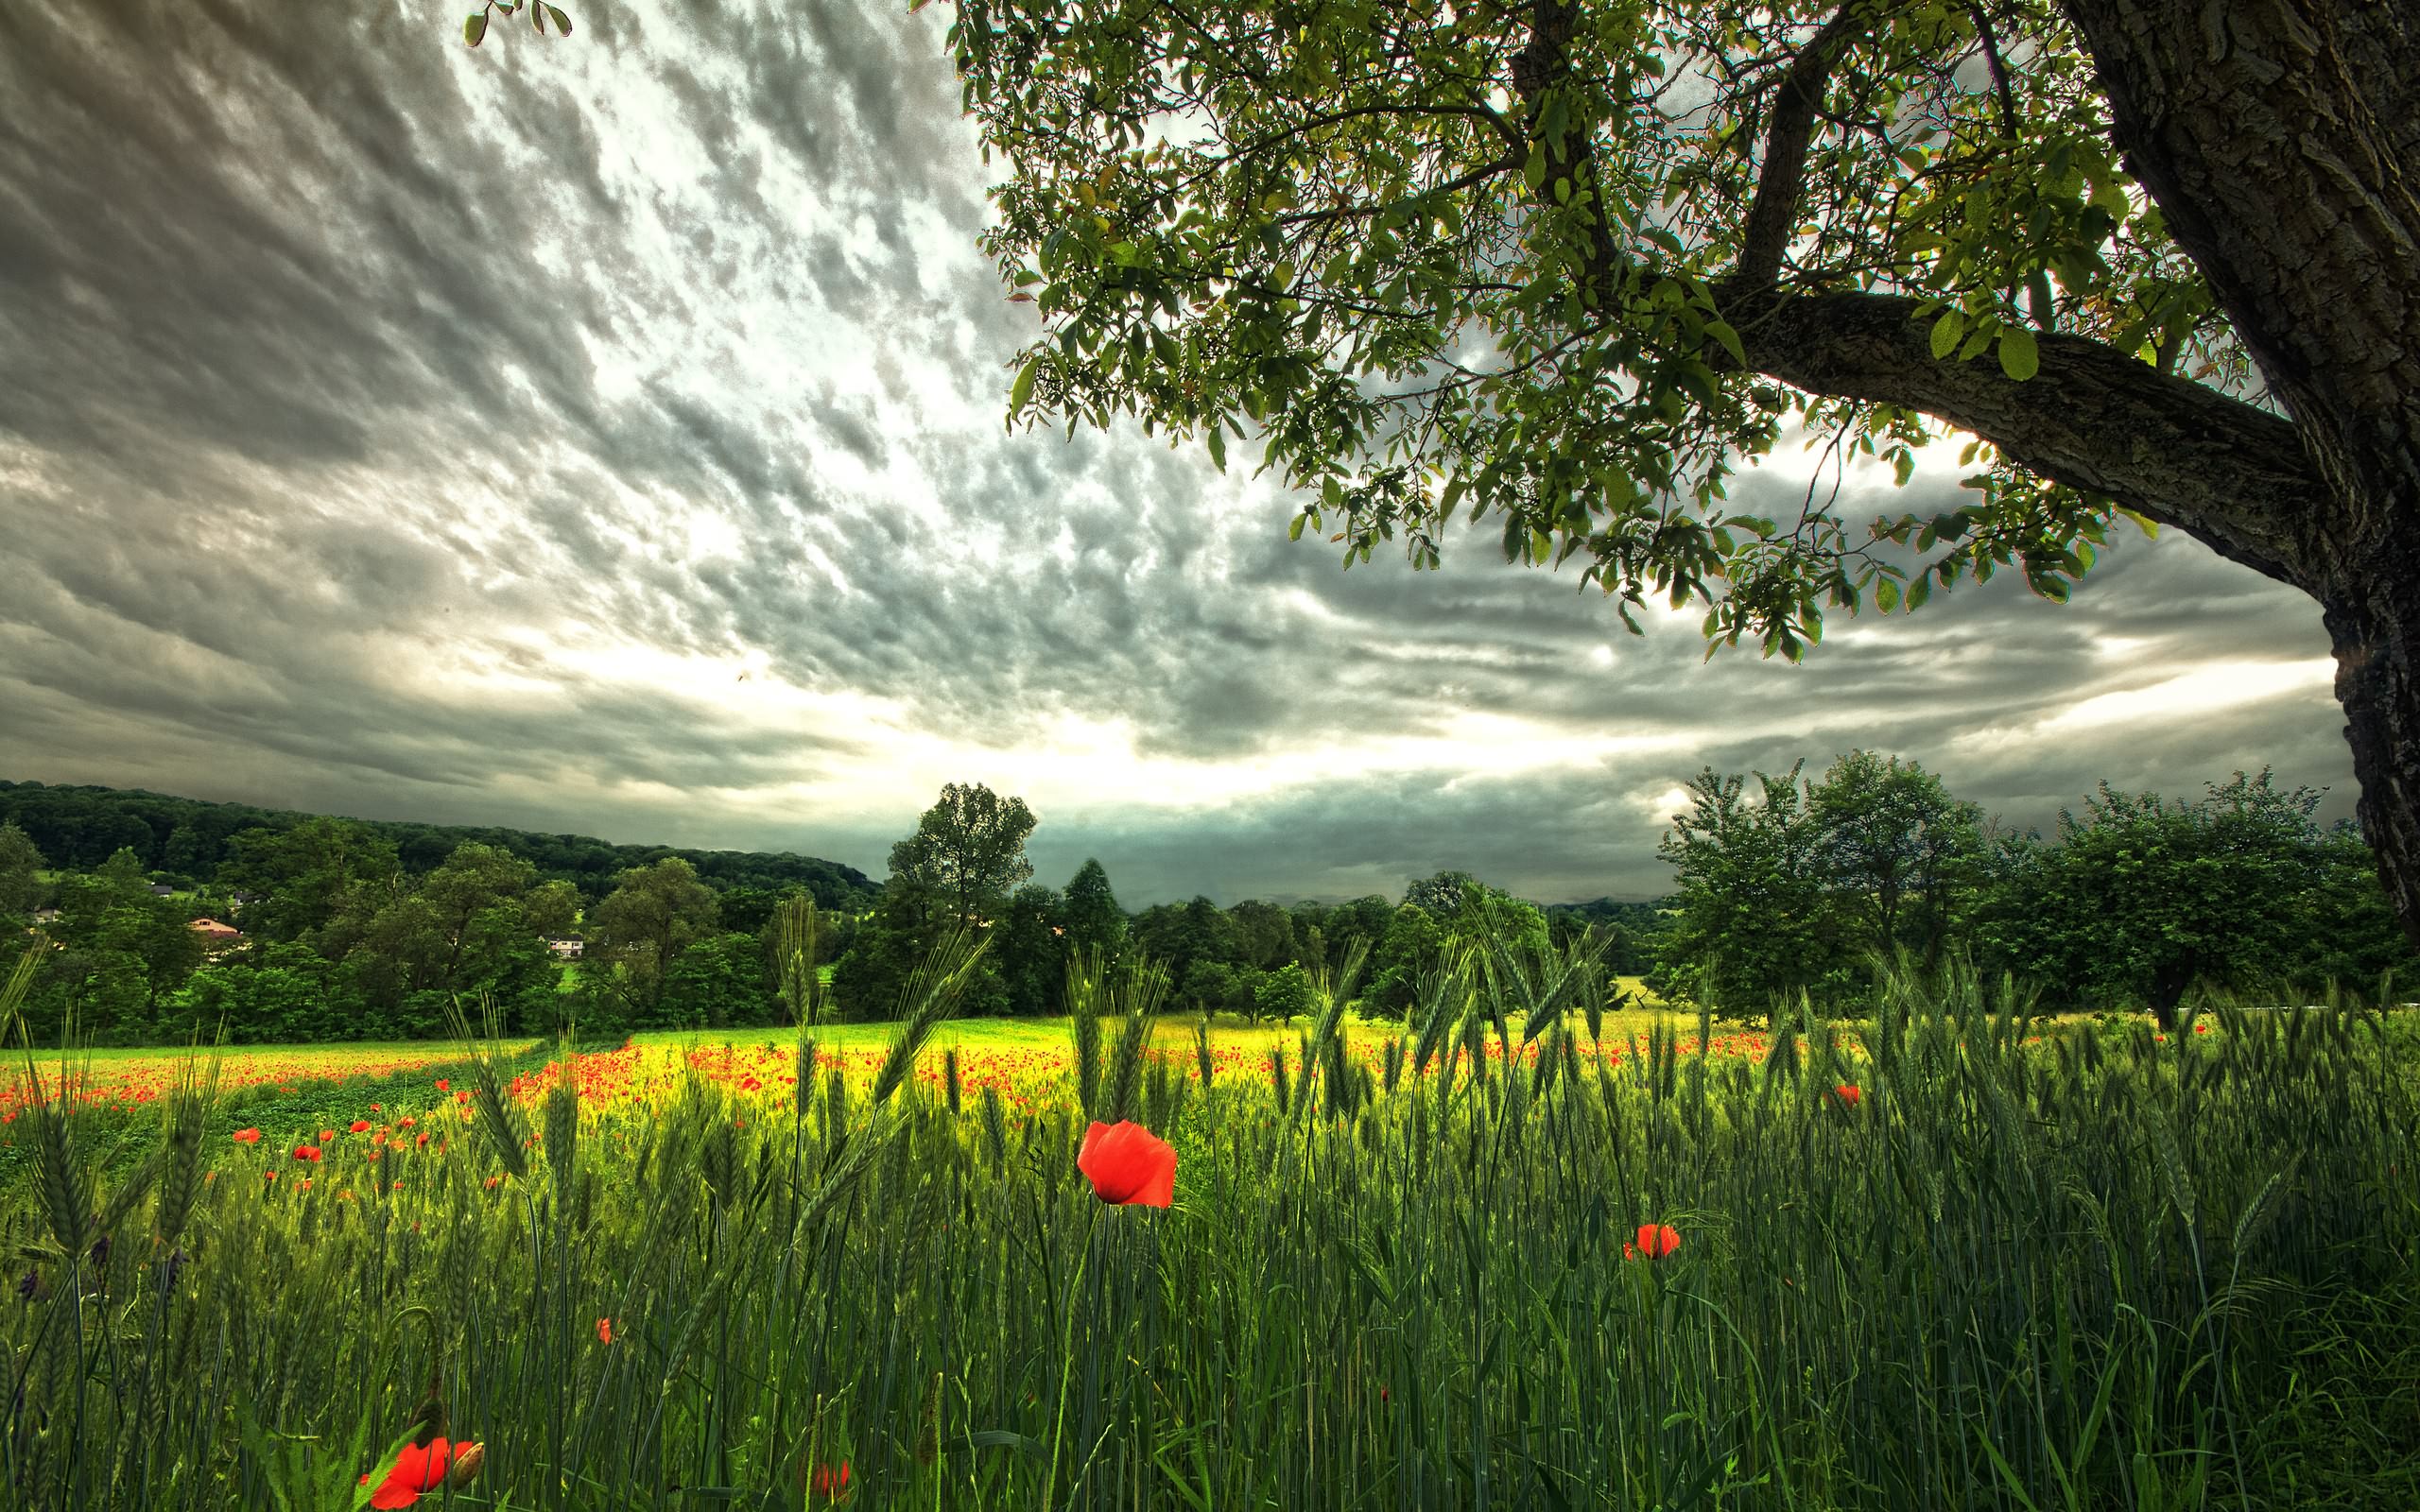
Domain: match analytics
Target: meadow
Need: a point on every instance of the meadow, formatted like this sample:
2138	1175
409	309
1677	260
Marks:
1944	1257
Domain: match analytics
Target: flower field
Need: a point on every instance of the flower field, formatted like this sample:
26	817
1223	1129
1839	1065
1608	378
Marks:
1941	1259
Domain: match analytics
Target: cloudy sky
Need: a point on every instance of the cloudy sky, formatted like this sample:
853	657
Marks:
605	434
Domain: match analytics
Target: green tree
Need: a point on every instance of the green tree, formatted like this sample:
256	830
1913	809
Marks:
306	874
105	993
870	979
716	983
1263	932
135	948
2349	934
2141	898
1363	919
1572	264
1179	936
1094	921
1284	993
1442	895
1755	921
968	850
1406	951
1895	848
653	914
21	864
287	995
1216	985
1030	950
747	909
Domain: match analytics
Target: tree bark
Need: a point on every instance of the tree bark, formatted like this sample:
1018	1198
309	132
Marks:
2281	140
2231	476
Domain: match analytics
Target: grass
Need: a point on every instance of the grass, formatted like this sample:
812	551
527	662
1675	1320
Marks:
2021	1271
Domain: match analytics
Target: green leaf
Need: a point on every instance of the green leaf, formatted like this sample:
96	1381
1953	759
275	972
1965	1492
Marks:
1945	333
2020	358
1218	439
562	23
1023	388
475	29
1886	595
1720	331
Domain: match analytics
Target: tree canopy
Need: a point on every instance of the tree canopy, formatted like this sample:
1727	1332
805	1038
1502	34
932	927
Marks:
1573	266
968	848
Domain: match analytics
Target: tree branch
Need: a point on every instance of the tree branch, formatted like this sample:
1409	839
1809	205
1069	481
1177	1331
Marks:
1774	210
2232	476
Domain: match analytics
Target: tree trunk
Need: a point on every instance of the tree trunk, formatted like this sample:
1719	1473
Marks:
2374	624
2281	140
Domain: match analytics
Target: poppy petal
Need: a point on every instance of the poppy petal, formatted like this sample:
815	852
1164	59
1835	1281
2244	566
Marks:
1128	1164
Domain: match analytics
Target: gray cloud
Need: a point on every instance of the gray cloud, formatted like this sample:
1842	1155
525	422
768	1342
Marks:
604	435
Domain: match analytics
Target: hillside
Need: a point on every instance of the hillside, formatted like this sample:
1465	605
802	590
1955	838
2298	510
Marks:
78	828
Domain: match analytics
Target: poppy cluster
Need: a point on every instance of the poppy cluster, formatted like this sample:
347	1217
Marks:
307	1152
247	1136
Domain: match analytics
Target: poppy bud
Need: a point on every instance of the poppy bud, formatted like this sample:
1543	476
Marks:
467	1461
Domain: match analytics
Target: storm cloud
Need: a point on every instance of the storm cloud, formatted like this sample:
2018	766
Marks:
604	434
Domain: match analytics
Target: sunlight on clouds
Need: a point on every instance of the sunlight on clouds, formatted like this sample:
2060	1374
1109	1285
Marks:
2182	697
2201	691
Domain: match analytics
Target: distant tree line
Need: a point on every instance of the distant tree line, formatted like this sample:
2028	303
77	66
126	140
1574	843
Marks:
1787	886
343	940
1256	958
188	841
1792	885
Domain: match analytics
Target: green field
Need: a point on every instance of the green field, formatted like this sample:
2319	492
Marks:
2020	1269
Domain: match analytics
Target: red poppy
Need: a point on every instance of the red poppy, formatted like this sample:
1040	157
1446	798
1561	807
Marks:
1849	1096
2201	1029
376	1108
360	1125
829	1483
407	1122
419	1467
247	1136
604	1330
306	1152
326	1134
462	1097
440	1084
1654	1242
420	1142
1128	1165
